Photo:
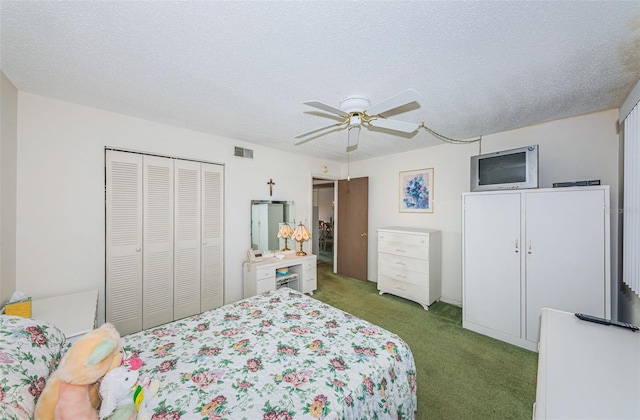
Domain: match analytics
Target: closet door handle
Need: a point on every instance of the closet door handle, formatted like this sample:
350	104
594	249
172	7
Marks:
516	245
204	242
138	249
529	247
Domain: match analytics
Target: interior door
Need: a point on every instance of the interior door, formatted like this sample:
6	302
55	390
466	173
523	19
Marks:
157	238
186	283
212	280
124	241
352	228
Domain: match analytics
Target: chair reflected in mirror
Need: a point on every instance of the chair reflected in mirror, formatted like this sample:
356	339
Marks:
326	236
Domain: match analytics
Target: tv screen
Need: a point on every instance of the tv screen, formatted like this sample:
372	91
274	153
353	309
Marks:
504	169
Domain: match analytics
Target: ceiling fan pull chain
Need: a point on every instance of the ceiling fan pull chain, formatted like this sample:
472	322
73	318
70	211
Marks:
448	139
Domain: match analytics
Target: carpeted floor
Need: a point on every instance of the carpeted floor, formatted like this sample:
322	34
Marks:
461	374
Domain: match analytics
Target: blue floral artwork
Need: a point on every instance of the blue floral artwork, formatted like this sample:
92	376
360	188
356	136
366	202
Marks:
416	190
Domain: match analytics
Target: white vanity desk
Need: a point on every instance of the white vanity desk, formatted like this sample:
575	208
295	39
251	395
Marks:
586	370
260	277
74	314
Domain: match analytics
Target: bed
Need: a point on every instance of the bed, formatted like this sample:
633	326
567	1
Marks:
279	355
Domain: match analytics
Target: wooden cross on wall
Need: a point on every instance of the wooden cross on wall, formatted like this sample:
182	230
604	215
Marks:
271	184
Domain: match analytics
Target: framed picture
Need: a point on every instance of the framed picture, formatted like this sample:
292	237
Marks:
416	191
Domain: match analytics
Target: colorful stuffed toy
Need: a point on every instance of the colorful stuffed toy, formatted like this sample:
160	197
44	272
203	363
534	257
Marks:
72	391
148	388
116	388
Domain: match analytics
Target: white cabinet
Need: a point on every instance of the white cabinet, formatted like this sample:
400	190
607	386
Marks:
260	277
164	232
524	250
586	370
409	264
73	323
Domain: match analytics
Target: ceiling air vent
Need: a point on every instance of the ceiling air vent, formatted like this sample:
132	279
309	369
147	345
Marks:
242	152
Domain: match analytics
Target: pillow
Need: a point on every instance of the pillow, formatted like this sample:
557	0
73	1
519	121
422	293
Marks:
29	351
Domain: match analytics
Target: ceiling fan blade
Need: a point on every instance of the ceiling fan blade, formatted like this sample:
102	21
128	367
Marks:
402	98
354	133
319	129
405	127
327	108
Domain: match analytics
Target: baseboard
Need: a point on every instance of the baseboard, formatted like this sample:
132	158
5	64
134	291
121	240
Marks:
451	302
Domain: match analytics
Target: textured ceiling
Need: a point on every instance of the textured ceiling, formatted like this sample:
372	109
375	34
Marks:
242	69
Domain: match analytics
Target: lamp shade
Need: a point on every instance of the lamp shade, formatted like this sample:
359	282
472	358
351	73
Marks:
285	231
301	233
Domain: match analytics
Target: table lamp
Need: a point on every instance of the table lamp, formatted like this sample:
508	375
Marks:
285	232
301	234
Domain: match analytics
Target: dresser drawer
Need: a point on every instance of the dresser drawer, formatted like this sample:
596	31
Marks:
398	262
403	274
403	238
403	289
309	264
265	273
265	285
404	249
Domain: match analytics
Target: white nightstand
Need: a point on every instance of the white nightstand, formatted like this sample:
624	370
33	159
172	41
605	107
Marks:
75	314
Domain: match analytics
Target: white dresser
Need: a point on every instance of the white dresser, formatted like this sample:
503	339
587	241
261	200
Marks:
73	323
260	277
409	263
586	370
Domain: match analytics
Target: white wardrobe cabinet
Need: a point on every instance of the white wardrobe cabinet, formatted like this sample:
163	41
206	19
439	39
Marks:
525	250
409	264
164	249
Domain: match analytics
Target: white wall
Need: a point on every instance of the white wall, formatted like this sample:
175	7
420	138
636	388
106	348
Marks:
8	145
60	200
571	149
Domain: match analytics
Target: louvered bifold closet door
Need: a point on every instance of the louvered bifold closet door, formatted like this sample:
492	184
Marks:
187	239
157	273
212	279
123	290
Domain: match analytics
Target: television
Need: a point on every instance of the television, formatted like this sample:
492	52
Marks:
506	170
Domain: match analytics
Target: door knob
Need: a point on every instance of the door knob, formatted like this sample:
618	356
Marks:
362	235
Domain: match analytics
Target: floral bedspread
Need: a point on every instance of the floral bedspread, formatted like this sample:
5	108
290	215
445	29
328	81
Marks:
279	355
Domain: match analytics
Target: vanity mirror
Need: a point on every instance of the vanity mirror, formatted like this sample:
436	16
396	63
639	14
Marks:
266	218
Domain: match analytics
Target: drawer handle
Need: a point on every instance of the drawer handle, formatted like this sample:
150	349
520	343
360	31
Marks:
401	288
401	250
400	263
401	276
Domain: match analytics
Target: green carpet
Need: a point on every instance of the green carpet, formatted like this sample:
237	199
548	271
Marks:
461	374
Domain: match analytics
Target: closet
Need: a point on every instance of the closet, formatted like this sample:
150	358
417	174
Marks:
529	249
164	239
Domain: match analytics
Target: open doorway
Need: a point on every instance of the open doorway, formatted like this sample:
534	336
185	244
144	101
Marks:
323	223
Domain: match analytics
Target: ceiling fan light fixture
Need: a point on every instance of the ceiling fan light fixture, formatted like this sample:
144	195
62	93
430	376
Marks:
354	103
355	112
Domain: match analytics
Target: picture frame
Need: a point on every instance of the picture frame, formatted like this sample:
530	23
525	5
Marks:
416	191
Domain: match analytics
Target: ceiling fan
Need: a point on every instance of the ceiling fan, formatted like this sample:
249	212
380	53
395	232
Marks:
356	112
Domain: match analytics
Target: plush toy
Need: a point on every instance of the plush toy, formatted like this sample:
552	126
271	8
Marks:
150	389
116	388
71	391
